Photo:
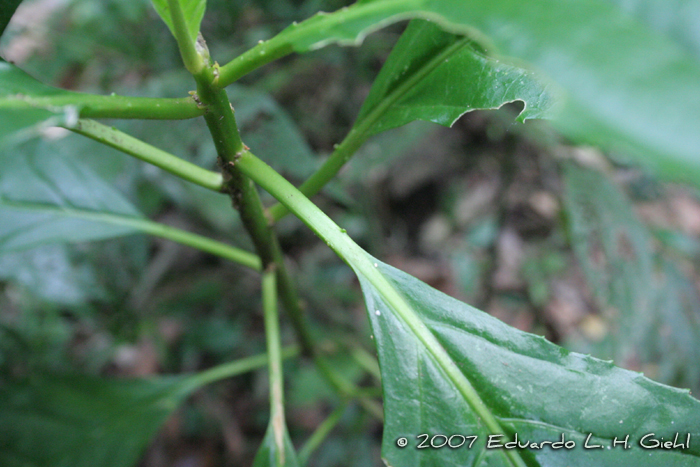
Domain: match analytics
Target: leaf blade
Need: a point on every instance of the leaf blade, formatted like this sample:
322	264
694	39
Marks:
435	76
47	200
627	87
507	368
193	11
83	421
7	9
269	454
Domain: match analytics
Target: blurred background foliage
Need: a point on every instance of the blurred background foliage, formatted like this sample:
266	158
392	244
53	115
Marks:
554	239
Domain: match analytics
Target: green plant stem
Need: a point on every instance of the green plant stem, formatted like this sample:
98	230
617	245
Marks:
321	433
262	54
96	106
192	60
362	129
338	240
200	242
330	168
144	151
221	121
147	226
272	337
241	366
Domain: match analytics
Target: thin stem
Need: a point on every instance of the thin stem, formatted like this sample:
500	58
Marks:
241	366
330	168
97	106
272	335
147	226
338	240
202	243
321	433
311	34
262	54
192	60
364	128
144	151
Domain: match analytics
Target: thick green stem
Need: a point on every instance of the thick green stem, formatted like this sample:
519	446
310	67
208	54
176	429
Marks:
97	106
221	120
144	151
338	240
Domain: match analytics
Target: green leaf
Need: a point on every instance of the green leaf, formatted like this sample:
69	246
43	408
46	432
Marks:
44	199
73	420
674	18
76	420
448	368
17	125
626	86
192	9
52	274
7	9
269	456
436	76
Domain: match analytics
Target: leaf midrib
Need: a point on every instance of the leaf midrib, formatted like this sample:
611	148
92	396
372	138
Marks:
402	310
364	125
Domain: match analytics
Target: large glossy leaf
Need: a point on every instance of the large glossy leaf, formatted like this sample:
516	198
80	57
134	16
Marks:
675	18
44	199
78	421
65	420
7	9
626	85
436	76
192	9
448	368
